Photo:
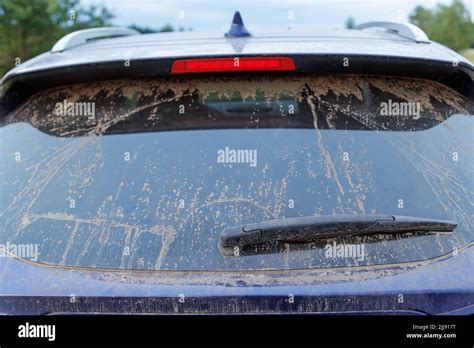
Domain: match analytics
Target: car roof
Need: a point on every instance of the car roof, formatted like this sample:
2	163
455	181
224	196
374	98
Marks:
194	44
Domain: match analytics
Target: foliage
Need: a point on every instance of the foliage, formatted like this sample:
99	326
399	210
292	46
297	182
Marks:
350	23
30	27
450	25
148	30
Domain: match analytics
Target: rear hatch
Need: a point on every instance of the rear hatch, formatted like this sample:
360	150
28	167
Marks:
145	174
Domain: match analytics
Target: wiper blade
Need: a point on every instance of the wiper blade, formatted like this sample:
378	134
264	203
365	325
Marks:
316	227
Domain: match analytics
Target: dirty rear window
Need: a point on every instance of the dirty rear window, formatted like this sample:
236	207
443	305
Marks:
146	174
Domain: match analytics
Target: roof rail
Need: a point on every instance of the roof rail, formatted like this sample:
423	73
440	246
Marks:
405	30
80	37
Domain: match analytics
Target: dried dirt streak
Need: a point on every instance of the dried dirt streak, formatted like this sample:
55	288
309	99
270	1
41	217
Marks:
436	184
278	206
72	218
330	168
43	181
70	242
57	156
347	174
109	220
410	90
128	234
238	199
168	235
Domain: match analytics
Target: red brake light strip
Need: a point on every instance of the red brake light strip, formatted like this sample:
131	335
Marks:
202	65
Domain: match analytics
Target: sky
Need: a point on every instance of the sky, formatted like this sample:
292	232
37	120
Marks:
210	15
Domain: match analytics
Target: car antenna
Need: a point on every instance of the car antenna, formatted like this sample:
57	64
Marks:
237	28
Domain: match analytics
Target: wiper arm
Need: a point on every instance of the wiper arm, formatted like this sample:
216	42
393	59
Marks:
316	227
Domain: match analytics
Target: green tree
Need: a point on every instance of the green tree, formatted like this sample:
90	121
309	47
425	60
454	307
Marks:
149	30
450	25
350	23
29	27
167	28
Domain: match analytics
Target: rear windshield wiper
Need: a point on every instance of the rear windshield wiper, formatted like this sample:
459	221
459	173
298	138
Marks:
316	227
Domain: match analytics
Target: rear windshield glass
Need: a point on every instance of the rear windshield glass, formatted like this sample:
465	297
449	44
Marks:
146	174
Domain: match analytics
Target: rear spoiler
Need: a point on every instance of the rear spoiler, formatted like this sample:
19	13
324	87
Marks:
16	88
